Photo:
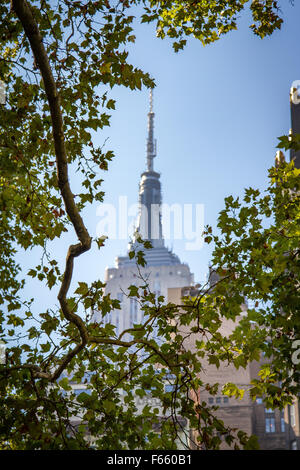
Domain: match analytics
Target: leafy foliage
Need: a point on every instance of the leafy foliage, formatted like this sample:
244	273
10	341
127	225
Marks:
208	21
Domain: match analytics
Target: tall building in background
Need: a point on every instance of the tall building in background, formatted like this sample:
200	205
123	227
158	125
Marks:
164	269
292	412
295	123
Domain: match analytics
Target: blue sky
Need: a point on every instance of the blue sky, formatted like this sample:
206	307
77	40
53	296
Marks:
219	110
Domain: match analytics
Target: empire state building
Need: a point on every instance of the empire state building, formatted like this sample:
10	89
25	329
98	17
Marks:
164	269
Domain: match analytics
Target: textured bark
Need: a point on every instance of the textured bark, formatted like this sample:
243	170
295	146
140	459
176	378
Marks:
25	15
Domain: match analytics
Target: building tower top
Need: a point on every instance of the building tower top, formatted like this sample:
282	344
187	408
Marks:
149	224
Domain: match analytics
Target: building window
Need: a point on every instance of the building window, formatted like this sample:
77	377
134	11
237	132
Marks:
133	312
259	401
282	422
117	325
270	424
142	316
210	400
156	290
218	400
225	400
292	416
270	420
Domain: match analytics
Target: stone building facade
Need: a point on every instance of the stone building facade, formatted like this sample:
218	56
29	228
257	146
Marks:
275	429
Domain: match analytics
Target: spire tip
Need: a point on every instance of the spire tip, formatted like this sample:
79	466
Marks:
151	101
151	143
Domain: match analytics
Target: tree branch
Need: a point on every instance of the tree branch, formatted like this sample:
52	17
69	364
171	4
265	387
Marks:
25	15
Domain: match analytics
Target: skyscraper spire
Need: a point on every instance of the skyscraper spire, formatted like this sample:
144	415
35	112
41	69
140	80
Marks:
149	221
151	142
